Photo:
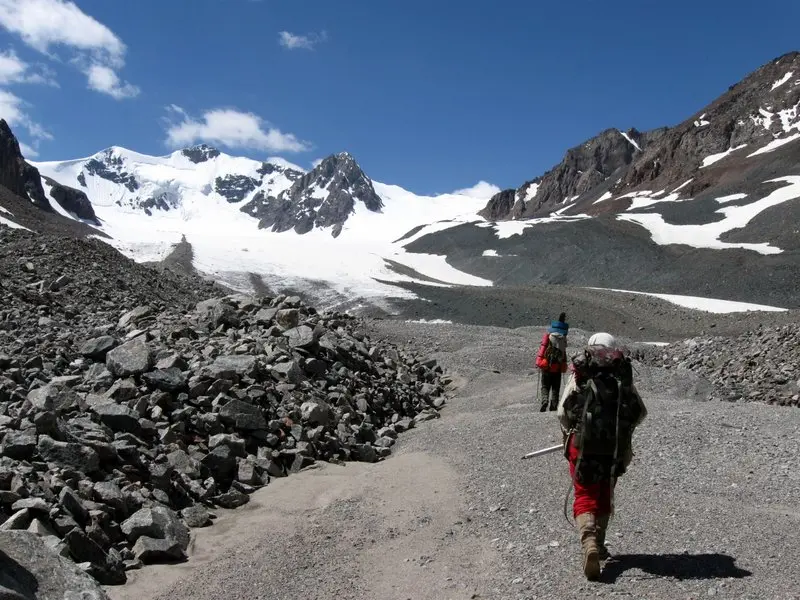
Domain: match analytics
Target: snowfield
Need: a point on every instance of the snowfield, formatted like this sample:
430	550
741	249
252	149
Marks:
228	244
712	305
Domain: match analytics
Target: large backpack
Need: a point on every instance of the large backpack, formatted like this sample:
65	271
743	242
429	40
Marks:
553	354
603	410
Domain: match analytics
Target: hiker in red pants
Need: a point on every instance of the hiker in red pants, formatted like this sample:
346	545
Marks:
551	361
598	412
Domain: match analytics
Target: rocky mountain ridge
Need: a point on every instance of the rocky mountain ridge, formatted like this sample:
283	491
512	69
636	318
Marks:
324	197
760	111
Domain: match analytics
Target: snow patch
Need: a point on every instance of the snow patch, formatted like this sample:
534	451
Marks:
11	224
430	321
507	229
731	198
530	192
490	253
630	140
710	160
713	305
606	196
735	217
702	122
5	210
781	81
775	144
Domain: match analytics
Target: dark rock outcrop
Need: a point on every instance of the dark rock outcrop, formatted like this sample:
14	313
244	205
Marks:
111	167
16	174
234	188
324	197
200	153
73	201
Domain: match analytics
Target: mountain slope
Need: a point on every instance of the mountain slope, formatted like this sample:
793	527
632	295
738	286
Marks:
753	118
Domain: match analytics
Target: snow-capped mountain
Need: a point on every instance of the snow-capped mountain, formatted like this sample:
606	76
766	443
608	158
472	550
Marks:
709	208
331	231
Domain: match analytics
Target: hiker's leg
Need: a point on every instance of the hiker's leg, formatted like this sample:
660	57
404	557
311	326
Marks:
584	508
604	506
544	395
555	388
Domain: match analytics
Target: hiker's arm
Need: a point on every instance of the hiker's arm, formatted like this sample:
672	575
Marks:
569	389
643	412
540	360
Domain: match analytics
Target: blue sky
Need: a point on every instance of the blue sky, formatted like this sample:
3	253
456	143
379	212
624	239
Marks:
431	95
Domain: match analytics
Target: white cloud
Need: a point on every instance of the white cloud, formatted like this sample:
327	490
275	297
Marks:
12	110
27	151
482	189
315	163
294	41
231	128
15	70
48	24
104	79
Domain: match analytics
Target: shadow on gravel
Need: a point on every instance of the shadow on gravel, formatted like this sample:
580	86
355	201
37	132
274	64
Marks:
678	566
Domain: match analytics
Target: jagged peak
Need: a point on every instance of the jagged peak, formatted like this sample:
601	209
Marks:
200	153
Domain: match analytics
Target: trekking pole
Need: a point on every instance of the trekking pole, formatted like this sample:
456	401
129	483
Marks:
543	451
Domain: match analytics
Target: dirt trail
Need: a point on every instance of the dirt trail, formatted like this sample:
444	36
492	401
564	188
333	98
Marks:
708	507
391	530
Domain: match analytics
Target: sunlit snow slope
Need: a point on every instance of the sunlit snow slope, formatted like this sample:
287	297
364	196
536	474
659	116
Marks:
148	204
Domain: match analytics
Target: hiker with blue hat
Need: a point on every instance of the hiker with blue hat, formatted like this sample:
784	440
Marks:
551	360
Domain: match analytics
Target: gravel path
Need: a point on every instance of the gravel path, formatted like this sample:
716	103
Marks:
707	508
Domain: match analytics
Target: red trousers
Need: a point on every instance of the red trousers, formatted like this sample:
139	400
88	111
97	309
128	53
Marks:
592	498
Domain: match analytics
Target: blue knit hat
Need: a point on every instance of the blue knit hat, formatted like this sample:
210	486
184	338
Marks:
559	327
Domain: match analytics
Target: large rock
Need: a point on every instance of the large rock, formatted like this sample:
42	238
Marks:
300	337
131	358
316	412
54	396
156	522
154	550
68	454
166	380
19	445
231	367
117	417
97	348
30	570
242	415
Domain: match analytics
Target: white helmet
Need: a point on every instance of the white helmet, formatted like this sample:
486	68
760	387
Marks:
603	339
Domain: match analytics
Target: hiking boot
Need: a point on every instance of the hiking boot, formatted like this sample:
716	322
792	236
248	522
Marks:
591	558
602	526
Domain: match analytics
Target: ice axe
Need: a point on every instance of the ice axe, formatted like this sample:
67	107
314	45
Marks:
543	451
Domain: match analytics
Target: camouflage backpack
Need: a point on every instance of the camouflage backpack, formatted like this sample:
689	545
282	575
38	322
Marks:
602	411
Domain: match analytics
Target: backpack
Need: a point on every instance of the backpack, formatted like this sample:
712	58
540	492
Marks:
553	354
603	411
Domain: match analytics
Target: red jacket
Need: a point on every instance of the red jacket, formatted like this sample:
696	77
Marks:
542	362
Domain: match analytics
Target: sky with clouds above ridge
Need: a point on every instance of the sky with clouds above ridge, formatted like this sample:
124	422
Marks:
425	95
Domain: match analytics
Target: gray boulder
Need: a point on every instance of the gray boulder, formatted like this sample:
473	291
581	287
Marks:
156	522
243	415
97	348
67	454
131	358
19	445
117	417
155	550
29	569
